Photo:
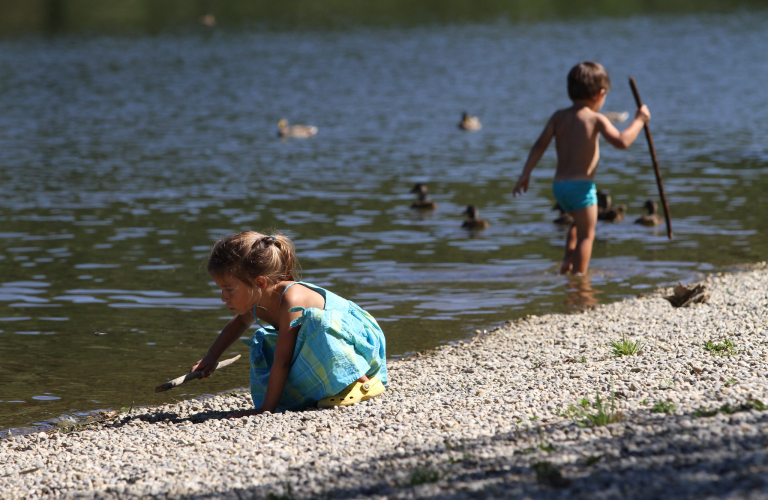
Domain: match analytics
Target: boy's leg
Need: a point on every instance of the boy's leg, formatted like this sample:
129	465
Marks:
584	221
570	247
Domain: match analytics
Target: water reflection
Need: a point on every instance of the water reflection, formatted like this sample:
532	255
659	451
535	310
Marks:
579	292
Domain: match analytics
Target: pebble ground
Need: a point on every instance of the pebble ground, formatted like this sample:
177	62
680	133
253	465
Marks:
484	419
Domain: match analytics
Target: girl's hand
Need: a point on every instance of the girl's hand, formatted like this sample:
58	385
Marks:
521	186
206	365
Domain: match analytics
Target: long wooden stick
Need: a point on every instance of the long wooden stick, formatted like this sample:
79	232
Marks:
655	161
193	375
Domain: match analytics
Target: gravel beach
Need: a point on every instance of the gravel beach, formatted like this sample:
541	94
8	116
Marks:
506	415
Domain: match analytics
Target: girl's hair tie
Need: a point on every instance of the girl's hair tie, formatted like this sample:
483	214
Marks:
273	238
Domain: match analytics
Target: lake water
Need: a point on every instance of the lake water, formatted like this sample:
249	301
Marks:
122	159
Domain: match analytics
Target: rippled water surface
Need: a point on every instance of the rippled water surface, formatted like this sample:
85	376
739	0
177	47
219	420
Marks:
122	159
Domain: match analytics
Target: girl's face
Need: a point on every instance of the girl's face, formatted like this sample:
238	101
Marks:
238	296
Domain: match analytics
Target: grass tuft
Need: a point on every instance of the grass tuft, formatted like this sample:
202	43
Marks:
548	474
593	459
725	348
423	476
288	495
604	416
625	347
751	404
664	407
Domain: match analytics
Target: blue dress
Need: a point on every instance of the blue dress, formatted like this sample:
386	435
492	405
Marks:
335	346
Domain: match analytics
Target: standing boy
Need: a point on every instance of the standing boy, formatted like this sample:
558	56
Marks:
576	130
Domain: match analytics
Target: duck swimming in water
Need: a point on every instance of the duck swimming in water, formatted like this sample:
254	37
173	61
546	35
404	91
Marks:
470	123
295	131
473	222
608	212
652	218
565	218
423	203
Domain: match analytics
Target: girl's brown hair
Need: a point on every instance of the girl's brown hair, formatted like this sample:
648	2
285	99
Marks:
249	254
587	79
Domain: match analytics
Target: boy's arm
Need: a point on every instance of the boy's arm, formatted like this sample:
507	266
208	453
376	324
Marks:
624	139
233	331
286	344
537	151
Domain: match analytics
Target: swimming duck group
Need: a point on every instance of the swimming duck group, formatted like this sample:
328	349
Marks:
605	210
468	122
472	223
614	213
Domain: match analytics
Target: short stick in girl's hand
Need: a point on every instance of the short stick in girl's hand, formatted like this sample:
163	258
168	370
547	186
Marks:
192	375
317	349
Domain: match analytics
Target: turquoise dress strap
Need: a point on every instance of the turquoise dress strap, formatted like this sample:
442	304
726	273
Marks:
281	301
286	289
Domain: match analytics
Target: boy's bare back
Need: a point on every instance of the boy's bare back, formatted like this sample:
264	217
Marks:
576	131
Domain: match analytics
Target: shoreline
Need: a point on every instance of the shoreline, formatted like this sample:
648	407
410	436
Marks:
485	418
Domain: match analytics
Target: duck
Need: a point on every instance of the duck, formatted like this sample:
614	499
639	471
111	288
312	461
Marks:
617	117
423	203
608	212
470	123
652	218
473	222
296	131
565	218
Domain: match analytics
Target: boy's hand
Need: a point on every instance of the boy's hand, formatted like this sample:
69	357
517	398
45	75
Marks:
643	114
521	186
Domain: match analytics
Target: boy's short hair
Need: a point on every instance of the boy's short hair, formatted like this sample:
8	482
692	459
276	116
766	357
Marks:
586	79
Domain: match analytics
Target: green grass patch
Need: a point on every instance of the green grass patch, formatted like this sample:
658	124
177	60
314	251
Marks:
421	475
729	382
602	415
724	348
288	495
664	407
625	347
461	448
752	404
593	459
549	475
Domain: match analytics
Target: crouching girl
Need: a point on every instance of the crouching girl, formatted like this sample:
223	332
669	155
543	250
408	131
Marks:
318	348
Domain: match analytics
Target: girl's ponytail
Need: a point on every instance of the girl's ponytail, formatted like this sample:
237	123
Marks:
290	264
249	254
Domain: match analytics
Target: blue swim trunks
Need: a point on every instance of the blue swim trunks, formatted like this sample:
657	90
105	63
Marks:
574	195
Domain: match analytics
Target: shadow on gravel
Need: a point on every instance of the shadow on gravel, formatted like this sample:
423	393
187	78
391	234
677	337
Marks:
172	418
653	456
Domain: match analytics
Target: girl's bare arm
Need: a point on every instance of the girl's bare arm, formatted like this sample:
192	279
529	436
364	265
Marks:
233	331
286	344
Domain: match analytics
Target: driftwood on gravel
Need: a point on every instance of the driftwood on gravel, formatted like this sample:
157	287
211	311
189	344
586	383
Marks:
685	295
193	375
